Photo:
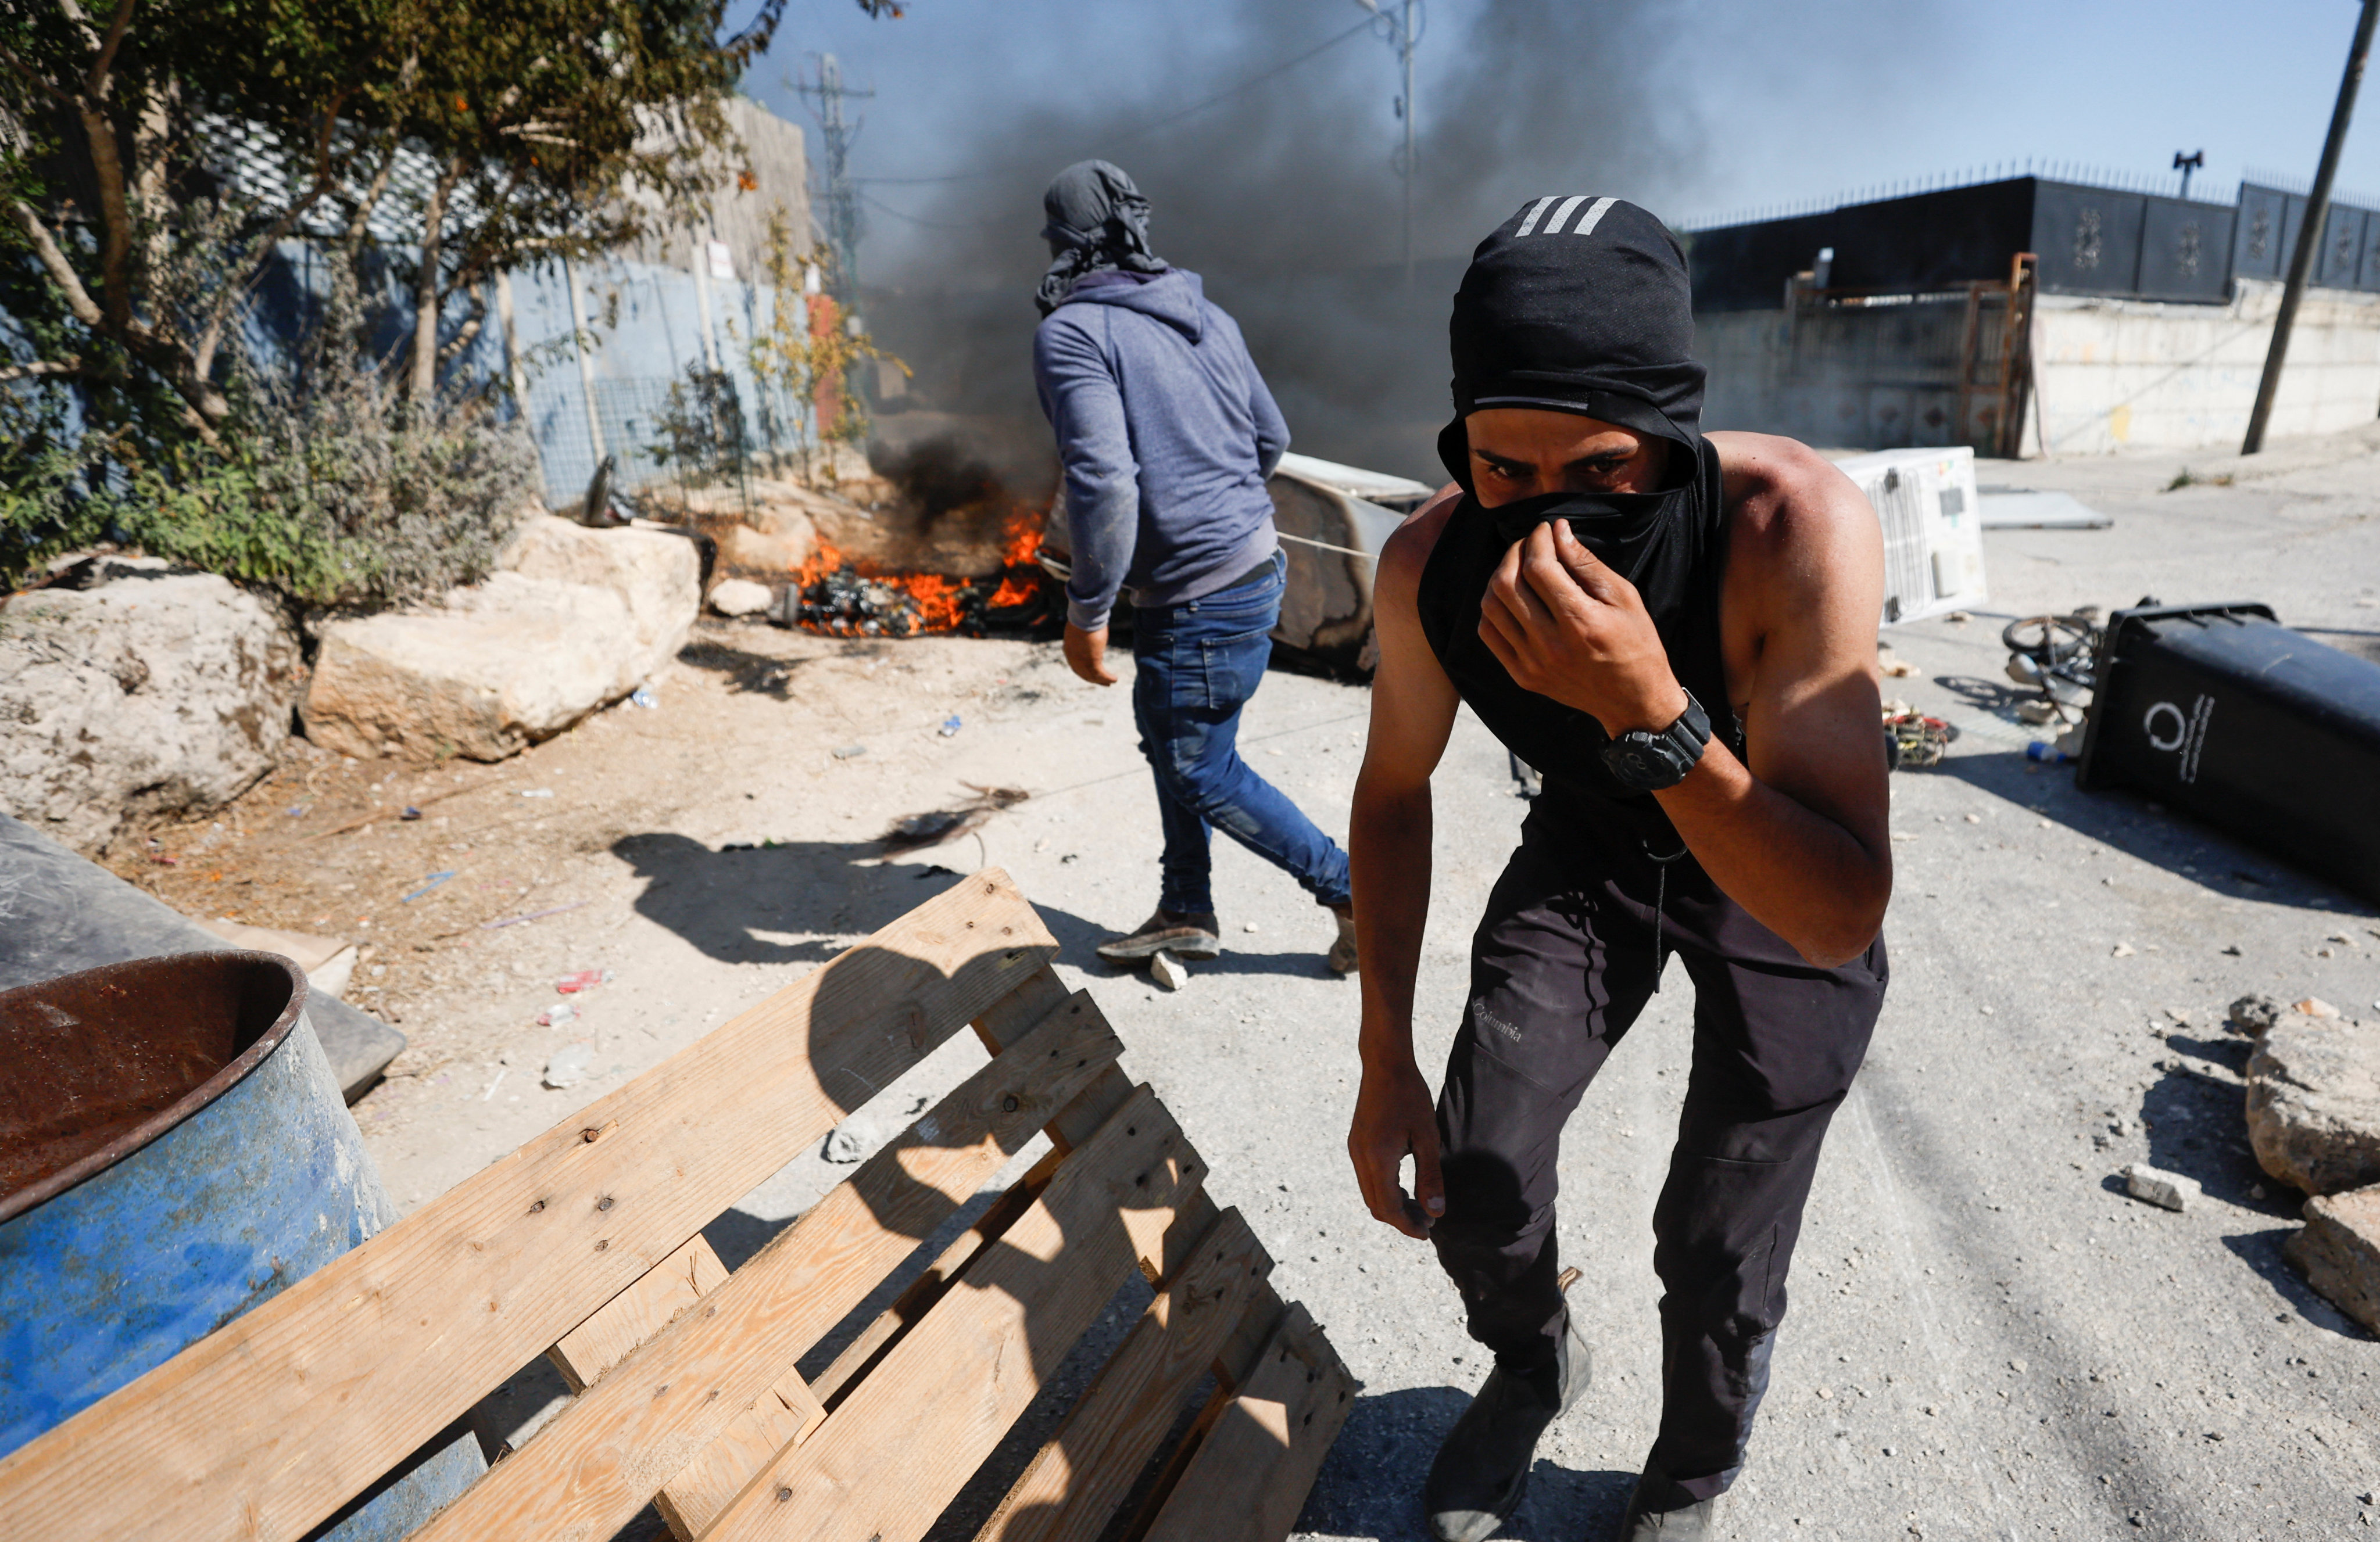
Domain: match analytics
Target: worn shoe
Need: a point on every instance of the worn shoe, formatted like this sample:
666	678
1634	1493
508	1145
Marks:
1662	1512
1184	936
1482	1468
1342	952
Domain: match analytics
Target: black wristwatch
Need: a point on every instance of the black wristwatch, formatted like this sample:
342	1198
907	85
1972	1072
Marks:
1643	762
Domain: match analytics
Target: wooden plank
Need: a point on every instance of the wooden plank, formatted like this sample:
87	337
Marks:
1101	1099
590	1470
1074	1485
908	1437
917	1300
637	1313
262	1428
1252	1473
786	1415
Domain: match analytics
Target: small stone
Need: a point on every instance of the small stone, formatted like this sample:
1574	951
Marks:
1167	971
2122	950
2157	1186
2314	1006
2179	1014
2017	1367
568	1069
849	751
1974	818
2339	1252
2254	1014
2255	1191
740	597
1247	926
2233	951
1824	1391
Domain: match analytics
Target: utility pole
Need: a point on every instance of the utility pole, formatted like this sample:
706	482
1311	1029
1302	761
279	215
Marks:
2186	165
1401	37
2310	233
840	203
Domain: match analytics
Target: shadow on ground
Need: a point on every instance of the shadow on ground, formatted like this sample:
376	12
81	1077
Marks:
2132	824
802	901
1370	1485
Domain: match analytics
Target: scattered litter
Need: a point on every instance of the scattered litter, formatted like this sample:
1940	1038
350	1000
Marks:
1913	740
2158	1187
554	1016
2122	950
537	792
850	751
410	813
1168	971
918	831
951	725
643	697
164	860
2046	754
2314	1006
296	811
571	985
501	1072
533	915
426	885
568	1068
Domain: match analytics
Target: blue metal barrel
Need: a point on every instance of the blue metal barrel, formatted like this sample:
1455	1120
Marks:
174	1151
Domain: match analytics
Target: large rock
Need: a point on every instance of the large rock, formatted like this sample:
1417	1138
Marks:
2314	1103
147	691
2339	1252
576	620
500	667
656	575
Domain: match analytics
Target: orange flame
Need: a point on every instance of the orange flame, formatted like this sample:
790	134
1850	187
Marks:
939	602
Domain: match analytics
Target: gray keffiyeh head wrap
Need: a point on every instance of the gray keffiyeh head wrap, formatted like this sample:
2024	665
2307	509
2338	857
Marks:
1098	221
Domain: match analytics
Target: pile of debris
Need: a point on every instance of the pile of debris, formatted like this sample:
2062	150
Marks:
838	599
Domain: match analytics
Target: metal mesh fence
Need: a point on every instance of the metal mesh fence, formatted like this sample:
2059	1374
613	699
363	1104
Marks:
667	436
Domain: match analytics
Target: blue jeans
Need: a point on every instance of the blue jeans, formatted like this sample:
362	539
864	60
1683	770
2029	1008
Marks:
1196	665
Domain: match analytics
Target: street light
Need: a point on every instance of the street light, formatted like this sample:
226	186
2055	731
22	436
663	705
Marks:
1402	33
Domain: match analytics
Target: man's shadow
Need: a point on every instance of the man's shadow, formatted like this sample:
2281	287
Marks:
798	901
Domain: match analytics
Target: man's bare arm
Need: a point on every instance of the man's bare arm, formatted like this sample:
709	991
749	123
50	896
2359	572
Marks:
1389	845
1801	835
1798	838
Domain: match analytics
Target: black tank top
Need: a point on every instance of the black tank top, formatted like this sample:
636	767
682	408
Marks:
1671	545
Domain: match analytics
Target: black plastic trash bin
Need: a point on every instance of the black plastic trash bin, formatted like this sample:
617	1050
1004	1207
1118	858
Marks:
2220	711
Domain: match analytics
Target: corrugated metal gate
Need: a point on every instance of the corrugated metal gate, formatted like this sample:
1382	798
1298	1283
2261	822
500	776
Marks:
1943	367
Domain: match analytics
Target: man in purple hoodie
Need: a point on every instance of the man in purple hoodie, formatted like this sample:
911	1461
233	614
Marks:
1168	433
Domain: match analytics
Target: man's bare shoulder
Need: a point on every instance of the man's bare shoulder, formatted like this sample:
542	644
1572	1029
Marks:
1790	512
1408	550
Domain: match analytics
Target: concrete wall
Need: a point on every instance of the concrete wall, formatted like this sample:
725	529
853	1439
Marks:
738	215
2110	374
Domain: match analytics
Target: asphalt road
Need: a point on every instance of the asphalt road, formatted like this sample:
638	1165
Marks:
1987	1339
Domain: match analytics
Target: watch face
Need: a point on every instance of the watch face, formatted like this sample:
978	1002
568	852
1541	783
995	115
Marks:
1640	763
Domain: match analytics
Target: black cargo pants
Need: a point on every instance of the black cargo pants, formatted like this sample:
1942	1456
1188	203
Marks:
1562	963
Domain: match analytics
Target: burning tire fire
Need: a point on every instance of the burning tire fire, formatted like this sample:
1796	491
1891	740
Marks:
838	598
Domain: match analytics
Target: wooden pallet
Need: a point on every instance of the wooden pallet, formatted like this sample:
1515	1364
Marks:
585	1243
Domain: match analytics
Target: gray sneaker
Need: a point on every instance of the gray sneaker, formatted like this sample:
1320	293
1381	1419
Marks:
1482	1468
1184	936
1662	1512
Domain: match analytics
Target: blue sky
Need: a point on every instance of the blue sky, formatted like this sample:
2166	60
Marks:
1696	107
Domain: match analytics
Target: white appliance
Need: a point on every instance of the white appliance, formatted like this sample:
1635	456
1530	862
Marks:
1933	528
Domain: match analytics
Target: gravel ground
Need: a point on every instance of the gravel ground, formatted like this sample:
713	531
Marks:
1988	1339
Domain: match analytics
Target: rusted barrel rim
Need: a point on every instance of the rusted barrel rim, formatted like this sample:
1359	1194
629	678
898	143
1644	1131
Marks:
233	1072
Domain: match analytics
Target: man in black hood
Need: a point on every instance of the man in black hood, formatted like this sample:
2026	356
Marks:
1678	630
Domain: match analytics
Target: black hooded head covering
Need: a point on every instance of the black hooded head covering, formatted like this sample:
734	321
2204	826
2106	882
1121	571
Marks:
1583	305
1098	220
1579	303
